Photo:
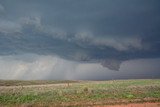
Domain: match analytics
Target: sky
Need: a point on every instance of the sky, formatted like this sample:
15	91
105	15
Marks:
79	39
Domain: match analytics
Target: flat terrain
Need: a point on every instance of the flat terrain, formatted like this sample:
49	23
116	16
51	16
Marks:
78	93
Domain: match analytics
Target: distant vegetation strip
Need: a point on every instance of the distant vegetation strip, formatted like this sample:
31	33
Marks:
32	82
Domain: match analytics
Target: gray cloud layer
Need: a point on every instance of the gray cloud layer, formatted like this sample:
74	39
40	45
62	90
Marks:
105	31
31	66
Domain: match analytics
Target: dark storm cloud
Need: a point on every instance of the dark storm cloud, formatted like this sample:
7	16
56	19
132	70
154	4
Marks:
107	31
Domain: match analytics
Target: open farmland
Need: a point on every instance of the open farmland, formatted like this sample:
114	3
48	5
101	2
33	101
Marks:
78	93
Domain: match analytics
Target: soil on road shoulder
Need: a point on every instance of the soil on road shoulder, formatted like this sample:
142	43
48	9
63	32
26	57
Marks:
134	105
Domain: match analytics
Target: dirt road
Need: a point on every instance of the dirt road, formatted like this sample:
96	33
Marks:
134	105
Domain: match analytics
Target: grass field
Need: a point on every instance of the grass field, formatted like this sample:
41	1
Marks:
77	93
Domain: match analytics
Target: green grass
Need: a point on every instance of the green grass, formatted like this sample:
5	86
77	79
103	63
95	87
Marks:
79	93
